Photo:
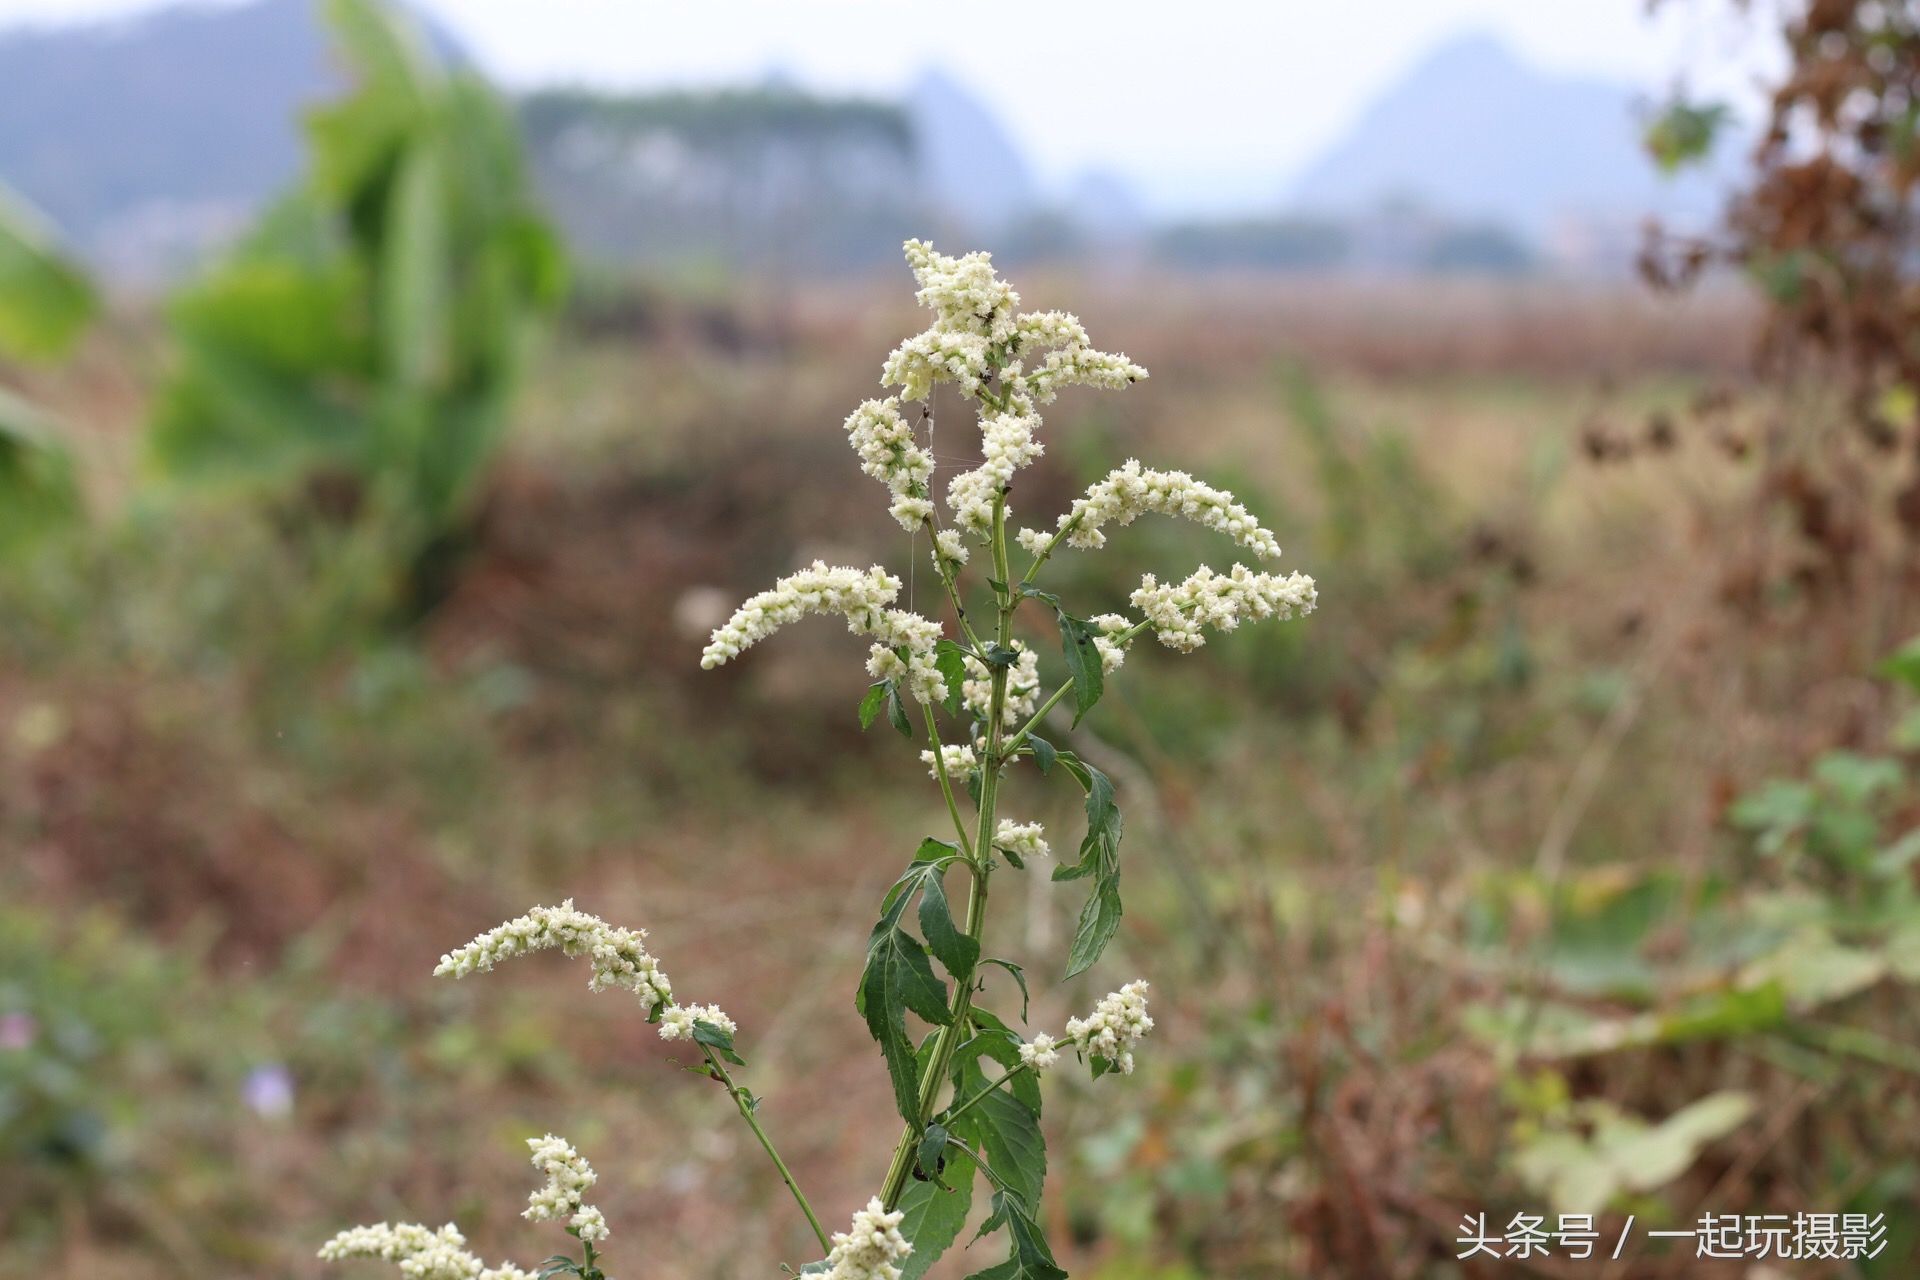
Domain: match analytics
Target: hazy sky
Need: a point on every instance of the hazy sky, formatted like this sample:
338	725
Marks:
1201	104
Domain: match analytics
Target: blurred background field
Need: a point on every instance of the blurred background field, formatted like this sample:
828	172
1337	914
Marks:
359	544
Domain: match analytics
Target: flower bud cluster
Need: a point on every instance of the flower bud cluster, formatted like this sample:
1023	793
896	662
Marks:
618	956
420	1253
1116	1024
1022	839
1081	365
1112	649
872	1249
1041	1052
889	453
1179	611
1132	491
677	1023
1006	445
956	761
569	1178
861	597
950	551
1023	686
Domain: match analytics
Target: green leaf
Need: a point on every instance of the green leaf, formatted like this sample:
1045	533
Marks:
38	490
898	978
1029	1257
718	1039
1100	859
1019	976
1083	664
416	281
1001	1125
929	1157
1044	753
932	1215
897	710
952	662
954	949
870	705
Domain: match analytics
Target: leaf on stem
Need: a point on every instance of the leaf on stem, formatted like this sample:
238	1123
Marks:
934	1215
718	1039
898	977
1100	859
871	704
950	658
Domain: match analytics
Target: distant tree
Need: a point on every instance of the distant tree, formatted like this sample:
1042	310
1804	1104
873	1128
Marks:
372	330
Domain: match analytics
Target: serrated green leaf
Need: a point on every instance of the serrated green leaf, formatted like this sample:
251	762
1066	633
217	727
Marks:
1100	859
953	948
871	704
897	978
1003	1127
933	1216
1043	753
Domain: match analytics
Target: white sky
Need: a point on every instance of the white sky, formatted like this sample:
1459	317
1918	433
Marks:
1201	104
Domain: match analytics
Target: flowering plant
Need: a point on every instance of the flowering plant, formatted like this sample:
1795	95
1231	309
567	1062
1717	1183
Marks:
968	1092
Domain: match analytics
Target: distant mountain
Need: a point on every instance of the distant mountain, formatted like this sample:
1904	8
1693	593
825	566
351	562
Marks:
1474	133
168	128
972	167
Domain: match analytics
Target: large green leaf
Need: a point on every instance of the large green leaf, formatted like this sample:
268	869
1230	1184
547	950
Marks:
1002	1125
898	978
935	1215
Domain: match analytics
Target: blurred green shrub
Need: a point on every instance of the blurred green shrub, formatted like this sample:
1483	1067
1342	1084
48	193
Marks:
46	303
366	339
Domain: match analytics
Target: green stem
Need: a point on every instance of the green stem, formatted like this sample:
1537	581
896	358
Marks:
947	1039
740	1100
946	783
954	1113
1014	743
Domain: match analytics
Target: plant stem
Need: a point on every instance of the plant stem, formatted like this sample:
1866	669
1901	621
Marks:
1014	743
947	1039
740	1100
954	1113
946	783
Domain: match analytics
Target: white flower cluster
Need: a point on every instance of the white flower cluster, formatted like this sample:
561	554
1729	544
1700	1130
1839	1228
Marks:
1022	839
569	1178
1023	686
1116	1024
963	293
949	550
889	453
872	1248
1041	1052
1132	491
1006	445
861	596
1081	366
956	761
677	1023
1112	649
1179	611
619	956
978	338
420	1253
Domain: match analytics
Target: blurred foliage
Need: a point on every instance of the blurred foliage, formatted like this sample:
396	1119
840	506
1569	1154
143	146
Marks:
368	337
1683	133
45	305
